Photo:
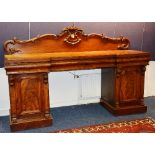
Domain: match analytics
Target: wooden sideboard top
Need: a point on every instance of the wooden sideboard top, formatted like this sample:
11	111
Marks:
65	61
76	55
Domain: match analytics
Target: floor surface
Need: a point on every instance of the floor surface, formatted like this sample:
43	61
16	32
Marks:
81	115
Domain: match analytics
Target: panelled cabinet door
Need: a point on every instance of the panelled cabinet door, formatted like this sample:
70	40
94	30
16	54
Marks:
30	95
29	99
131	85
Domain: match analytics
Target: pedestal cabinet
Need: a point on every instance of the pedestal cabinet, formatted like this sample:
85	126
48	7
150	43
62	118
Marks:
122	89
29	99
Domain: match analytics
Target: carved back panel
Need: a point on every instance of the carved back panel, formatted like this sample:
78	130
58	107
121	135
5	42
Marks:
71	39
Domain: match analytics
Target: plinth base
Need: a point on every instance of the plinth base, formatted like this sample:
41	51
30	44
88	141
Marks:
23	124
124	110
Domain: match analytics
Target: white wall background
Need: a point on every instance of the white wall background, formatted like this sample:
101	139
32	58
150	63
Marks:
66	90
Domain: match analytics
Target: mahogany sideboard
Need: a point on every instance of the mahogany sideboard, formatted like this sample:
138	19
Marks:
28	63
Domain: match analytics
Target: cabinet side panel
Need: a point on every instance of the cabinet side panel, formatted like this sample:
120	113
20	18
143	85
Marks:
107	85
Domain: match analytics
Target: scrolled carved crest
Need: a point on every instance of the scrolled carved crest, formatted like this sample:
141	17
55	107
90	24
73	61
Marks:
71	36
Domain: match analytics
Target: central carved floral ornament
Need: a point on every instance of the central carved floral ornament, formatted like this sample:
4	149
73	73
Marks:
72	37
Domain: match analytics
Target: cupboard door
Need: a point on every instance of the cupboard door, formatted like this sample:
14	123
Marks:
29	101
29	95
131	82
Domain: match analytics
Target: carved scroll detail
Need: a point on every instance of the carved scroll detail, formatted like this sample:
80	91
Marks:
45	78
123	46
11	50
143	69
119	72
11	81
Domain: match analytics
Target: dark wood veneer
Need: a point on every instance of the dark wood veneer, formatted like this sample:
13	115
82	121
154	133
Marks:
28	63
